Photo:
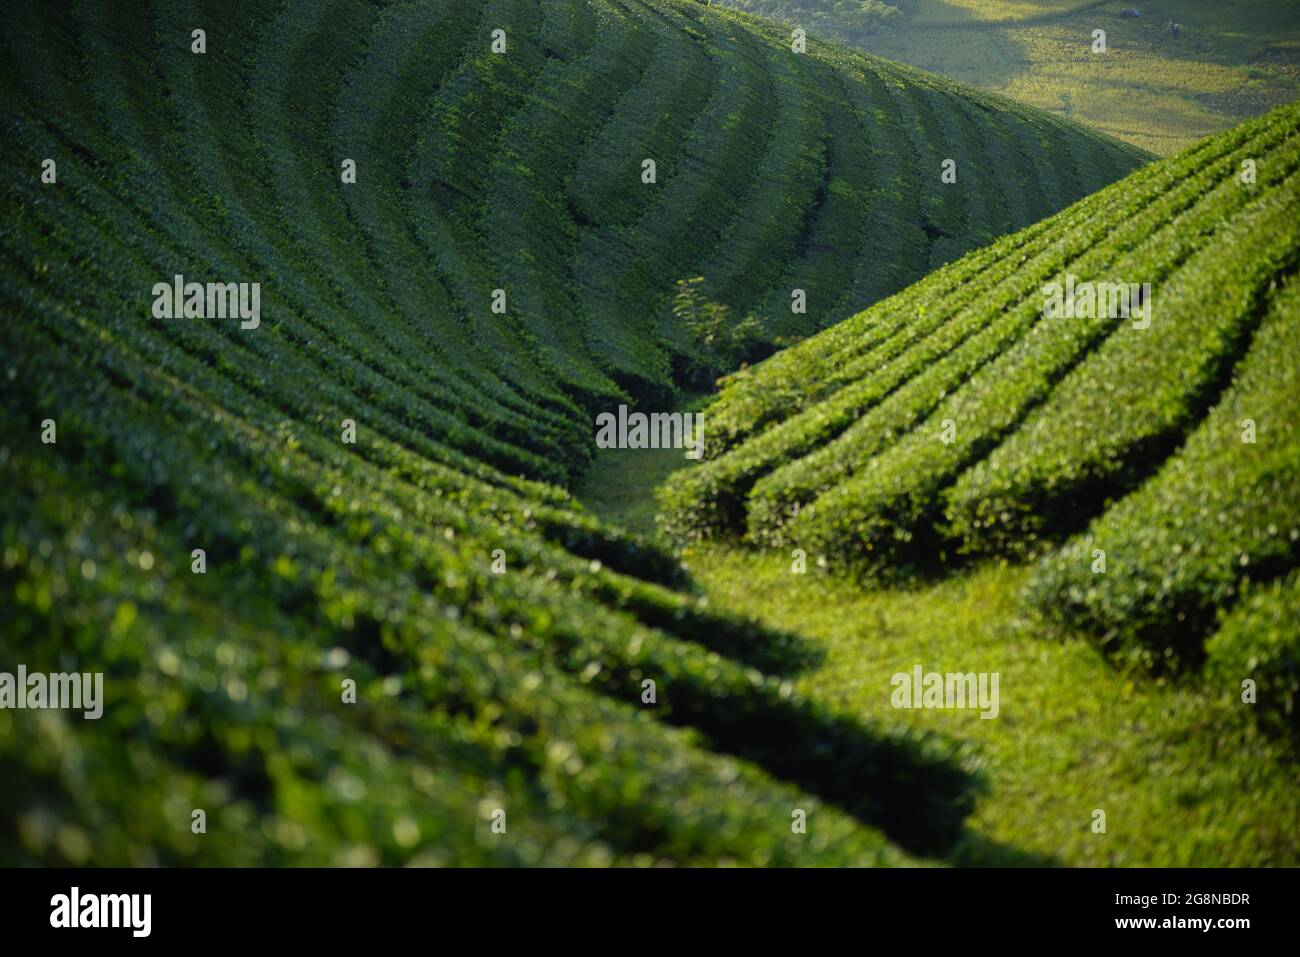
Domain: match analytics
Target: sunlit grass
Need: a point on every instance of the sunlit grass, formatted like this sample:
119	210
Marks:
991	11
1182	777
1152	88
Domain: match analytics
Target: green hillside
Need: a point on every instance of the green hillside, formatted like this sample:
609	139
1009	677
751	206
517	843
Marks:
231	523
1154	86
1151	461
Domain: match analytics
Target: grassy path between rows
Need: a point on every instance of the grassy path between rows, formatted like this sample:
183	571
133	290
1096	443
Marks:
1181	778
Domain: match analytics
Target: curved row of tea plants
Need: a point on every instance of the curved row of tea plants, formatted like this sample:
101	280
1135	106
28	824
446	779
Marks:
1220	513
960	418
812	415
234	524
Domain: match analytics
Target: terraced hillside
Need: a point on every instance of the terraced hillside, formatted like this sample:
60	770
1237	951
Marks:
522	172
234	523
964	417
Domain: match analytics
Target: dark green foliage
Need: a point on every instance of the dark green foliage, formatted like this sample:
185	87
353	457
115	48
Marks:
374	561
718	341
1218	514
957	418
1260	641
806	421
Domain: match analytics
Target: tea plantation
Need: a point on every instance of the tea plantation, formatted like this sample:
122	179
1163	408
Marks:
343	605
1147	459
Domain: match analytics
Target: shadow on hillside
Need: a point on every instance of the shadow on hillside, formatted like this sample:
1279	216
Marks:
910	786
976	850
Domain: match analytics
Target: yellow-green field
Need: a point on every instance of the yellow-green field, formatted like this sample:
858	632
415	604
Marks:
1231	59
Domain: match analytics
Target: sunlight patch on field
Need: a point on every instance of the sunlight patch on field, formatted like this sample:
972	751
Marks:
1073	733
990	11
1151	88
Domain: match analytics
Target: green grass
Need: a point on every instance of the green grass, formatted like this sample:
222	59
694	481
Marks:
1183	778
617	485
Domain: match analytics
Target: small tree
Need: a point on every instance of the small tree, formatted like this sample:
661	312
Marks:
721	343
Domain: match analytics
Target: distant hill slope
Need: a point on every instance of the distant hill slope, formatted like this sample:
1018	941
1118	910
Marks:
231	523
523	172
1155	87
964	416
